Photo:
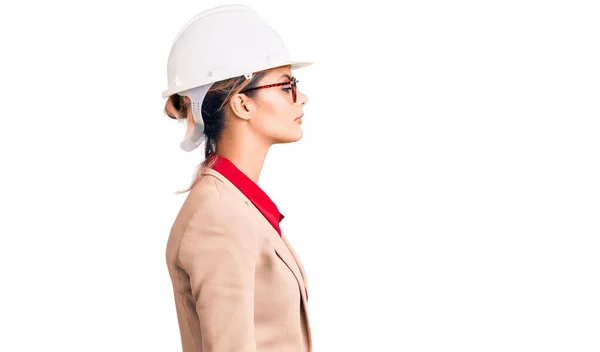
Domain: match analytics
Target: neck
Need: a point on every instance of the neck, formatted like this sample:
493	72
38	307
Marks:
248	157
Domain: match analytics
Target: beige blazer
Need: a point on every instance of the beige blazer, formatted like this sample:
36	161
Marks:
238	285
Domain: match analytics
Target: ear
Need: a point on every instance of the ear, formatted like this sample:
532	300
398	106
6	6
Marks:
242	106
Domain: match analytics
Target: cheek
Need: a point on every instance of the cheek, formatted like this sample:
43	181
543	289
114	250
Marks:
276	117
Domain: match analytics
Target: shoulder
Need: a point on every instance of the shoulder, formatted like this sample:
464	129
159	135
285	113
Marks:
217	213
214	200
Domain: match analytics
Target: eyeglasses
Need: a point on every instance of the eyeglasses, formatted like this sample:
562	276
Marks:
293	82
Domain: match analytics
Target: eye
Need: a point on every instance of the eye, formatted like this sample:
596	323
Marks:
287	89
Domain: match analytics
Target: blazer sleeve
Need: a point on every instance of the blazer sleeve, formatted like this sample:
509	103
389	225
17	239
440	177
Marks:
219	253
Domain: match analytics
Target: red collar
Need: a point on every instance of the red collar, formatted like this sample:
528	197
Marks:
250	189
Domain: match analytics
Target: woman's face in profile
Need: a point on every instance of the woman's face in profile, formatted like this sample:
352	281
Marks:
277	116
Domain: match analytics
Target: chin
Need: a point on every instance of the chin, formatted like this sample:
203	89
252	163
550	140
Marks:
298	136
293	137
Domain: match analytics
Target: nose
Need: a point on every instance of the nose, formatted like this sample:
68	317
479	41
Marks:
302	99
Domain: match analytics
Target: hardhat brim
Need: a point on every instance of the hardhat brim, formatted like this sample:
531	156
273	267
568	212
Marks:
294	65
299	64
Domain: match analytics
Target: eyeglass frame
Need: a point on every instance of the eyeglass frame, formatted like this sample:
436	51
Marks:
293	83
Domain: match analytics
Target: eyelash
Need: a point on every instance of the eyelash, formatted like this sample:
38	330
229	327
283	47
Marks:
287	90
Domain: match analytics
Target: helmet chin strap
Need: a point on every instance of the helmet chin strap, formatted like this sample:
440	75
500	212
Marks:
192	142
197	137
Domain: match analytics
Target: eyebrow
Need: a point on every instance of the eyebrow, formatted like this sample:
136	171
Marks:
287	76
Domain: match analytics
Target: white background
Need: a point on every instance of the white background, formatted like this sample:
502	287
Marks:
445	195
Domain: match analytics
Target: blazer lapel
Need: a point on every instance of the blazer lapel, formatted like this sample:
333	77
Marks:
288	255
284	253
295	256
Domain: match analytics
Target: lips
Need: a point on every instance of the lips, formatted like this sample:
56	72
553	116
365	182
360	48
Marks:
298	118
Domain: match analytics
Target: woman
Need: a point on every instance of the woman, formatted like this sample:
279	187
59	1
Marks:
238	284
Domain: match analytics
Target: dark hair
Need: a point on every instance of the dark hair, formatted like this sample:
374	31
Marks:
213	113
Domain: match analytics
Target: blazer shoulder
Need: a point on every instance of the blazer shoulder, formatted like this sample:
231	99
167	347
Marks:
213	183
212	200
217	211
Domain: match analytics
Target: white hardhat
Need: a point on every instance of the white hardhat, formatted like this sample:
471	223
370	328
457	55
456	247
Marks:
217	44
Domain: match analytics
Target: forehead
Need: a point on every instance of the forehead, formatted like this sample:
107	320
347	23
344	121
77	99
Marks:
277	72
